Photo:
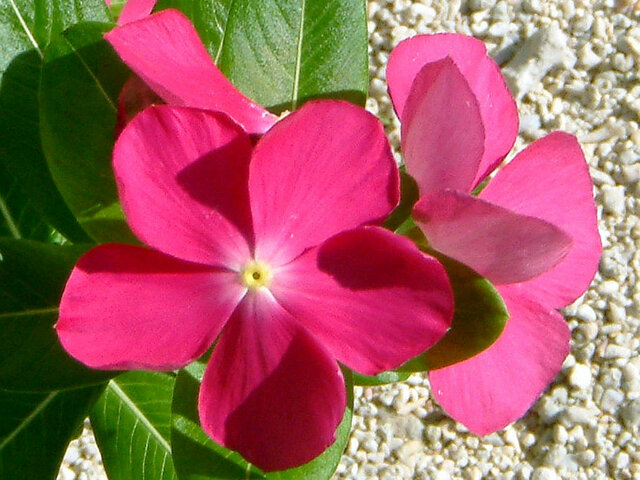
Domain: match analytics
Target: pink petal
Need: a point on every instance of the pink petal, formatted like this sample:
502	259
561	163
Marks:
182	180
271	392
127	307
497	106
134	97
166	52
499	244
442	132
370	296
135	10
498	386
550	180
325	168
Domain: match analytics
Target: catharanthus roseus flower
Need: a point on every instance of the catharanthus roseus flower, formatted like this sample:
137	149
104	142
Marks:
165	51
532	230
271	251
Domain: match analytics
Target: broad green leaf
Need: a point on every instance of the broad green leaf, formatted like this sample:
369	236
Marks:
116	7
208	16
26	27
35	429
132	424
18	218
32	277
197	457
30	24
282	53
479	318
81	79
380	379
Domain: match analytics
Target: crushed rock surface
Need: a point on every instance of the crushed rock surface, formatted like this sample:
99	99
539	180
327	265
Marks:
572	65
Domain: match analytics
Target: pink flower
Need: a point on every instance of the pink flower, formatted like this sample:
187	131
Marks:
532	231
268	249
165	51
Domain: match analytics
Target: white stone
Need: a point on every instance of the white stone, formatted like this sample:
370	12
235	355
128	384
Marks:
586	313
630	378
611	400
542	51
583	415
529	124
560	434
66	474
608	288
630	413
622	460
72	455
580	376
613	200
587	58
544	473
616	351
555	456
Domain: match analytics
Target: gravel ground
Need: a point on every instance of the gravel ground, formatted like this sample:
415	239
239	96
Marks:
572	65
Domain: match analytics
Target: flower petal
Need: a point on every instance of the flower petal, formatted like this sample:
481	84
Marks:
498	386
271	392
325	168
165	51
127	307
182	180
442	131
135	10
370	296
497	106
550	180
499	244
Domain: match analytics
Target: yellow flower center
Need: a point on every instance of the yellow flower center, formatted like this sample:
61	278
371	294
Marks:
255	275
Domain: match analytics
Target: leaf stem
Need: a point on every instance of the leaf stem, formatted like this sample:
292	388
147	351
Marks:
13	228
296	75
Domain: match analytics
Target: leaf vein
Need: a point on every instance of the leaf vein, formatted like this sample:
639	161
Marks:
41	406
26	28
139	415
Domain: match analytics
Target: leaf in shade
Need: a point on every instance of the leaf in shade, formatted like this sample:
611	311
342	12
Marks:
197	457
81	80
132	424
479	318
26	27
36	428
380	379
409	195
18	218
32	277
281	53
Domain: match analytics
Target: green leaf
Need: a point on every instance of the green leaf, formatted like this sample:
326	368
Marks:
380	379
197	457
208	16
18	218
282	53
32	277
35	429
409	195
131	422
30	24
480	317
81	80
26	26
